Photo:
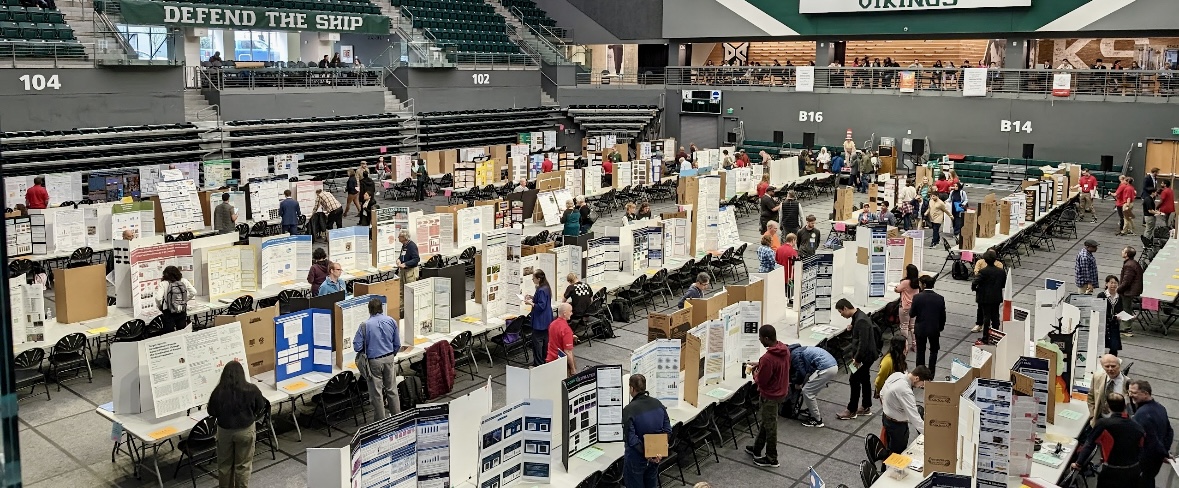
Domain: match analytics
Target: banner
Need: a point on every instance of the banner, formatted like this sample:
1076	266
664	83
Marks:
1062	84
829	6
146	12
974	82
908	82
806	79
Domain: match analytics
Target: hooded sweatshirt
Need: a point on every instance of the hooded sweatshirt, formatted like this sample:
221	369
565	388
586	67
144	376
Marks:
316	275
773	372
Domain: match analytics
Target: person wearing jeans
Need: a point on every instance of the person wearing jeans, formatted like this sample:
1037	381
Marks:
864	351
937	212
642	416
812	368
900	407
771	373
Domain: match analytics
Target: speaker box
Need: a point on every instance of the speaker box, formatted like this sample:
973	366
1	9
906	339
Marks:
1106	163
731	137
808	140
1029	151
918	146
779	137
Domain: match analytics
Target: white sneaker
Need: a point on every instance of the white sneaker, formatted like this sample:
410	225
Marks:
977	328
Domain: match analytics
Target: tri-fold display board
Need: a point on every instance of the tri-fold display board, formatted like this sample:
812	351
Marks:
411	449
515	444
428	306
303	344
593	401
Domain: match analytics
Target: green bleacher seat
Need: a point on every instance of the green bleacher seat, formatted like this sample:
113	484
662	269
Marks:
9	30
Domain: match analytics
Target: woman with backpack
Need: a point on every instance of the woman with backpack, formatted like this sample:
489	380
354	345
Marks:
172	297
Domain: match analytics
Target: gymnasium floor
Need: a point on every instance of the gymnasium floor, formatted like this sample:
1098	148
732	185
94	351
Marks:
65	444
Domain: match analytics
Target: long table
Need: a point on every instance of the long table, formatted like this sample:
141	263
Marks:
1162	276
1065	431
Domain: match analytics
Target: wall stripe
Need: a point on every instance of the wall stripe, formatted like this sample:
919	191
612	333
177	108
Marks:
769	25
1084	15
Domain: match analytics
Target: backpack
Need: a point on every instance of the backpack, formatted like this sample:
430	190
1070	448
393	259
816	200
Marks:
175	299
878	337
960	271
410	392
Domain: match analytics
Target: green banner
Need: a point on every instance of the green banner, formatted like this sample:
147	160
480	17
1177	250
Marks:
146	12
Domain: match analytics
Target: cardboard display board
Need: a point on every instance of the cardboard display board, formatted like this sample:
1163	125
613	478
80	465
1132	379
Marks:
592	403
705	309
669	326
282	259
390	289
515	444
257	330
946	427
80	293
969	224
303	344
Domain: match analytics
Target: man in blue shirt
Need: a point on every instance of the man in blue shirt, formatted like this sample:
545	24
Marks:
1152	416
811	368
409	259
332	283
695	290
643	415
379	339
288	210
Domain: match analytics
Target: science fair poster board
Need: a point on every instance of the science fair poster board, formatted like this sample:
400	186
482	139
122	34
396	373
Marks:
603	256
217	173
568	260
592	180
253	167
282	259
28	310
57	229
592	410
994	399
147	270
659	362
237	199
287	164
302	344
433	233
471	226
407	450
350	248
305	194
137	217
264	197
182	369
500	259
388	222
348	315
515	444
180	203
427	306
230	270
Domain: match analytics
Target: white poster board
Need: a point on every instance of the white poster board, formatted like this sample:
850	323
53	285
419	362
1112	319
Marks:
253	167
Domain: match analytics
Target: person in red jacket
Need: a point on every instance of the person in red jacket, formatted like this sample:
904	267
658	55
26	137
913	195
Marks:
1124	197
37	196
1087	184
1166	202
785	256
771	373
547	165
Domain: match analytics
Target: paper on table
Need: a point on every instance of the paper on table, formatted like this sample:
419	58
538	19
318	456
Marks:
1069	414
589	454
719	393
98	330
295	386
162	433
316	377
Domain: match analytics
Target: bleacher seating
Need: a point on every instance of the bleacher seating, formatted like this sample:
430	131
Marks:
444	130
327	143
343	6
613	119
40	152
472	26
35	32
532	15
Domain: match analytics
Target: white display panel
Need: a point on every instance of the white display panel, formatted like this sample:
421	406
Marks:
147	270
179	203
183	369
659	362
253	167
350	248
230	270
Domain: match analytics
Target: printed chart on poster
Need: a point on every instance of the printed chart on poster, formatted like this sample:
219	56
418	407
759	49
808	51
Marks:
61	229
470	227
602	258
280	258
147	269
305	194
63	187
659	362
253	167
389	222
427	306
183	369
434	233
407	450
137	217
287	164
217	173
877	261
895	269
302	343
265	196
993	397
230	270
515	444
180	203
350	248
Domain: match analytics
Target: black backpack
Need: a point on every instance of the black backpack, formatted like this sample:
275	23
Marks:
960	271
410	392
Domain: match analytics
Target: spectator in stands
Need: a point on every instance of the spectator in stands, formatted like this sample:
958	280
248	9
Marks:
785	255
928	311
323	63
643	416
695	290
864	352
988	288
172	296
1167	203
333	283
1130	288
587	220
644	210
335	62
561	338
1113	306
215	60
937	211
423	178
37	197
765	182
571	220
326	202
771	374
224	216
352	189
809	238
765	255
288	211
791	214
769	207
541	314
234	403
546	166
1088	187
1126	195
774	234
321	267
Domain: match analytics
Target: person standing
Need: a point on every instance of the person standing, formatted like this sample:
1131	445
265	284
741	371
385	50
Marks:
561	338
37	197
541	315
1150	182
908	288
288	211
765	255
769	207
368	203
695	290
1149	213
379	339
771	373
791	214
937	211
1085	268
811	368
423	177
785	255
1113	306
1121	441
224	216
1167	203
234	404
958	202
988	294
1124	199
764	185
642	416
773	233
367	185
546	166
864	353
1152	416
1109	380
353	189
1130	288
809	238
408	260
929	320
587	220
320	269
172	297
334	282
571	220
900	407
1088	187
327	203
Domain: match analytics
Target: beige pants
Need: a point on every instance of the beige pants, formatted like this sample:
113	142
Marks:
1087	204
1128	214
235	457
907	329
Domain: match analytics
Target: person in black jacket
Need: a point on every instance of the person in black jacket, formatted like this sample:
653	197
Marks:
769	208
235	403
809	238
863	346
643	415
1121	441
791	214
988	293
587	220
929	318
1152	416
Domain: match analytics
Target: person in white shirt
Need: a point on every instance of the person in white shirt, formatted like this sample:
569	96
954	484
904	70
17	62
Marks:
685	165
900	407
824	159
172	296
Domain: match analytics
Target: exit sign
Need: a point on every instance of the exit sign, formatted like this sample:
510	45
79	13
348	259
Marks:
1175	131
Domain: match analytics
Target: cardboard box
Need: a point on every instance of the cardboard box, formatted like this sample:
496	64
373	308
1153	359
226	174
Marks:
669	326
845	203
988	212
257	335
873	198
1005	217
686	191
969	224
390	289
433	162
690	360
942	399
80	293
705	309
538	249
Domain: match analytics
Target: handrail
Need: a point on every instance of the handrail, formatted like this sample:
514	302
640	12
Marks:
222	78
559	52
200	114
395	77
110	26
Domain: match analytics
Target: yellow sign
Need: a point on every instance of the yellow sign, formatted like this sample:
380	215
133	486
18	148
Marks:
295	386
1169	293
1173	287
470	319
164	432
98	330
420	340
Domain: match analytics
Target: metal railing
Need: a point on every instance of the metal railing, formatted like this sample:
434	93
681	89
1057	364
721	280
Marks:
17	53
604	79
1160	85
493	61
542	38
224	78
